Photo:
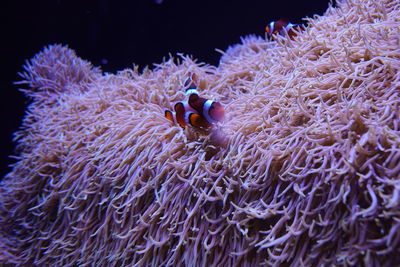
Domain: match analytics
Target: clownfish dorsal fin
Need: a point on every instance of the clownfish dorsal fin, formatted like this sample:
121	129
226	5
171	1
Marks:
193	98
283	21
196	102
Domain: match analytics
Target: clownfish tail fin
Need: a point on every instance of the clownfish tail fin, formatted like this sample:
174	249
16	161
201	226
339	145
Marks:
169	115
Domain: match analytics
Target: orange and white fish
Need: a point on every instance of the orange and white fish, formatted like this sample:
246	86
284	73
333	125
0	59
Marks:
280	26
197	111
184	115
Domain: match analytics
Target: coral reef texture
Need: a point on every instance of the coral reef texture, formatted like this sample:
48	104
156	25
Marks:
304	170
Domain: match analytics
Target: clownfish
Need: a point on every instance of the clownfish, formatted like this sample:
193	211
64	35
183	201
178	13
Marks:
196	111
184	115
280	26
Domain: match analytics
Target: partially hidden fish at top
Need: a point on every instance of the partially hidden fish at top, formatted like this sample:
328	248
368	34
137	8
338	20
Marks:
281	26
195	111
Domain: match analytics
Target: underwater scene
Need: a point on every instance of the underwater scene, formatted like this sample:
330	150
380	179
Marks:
283	151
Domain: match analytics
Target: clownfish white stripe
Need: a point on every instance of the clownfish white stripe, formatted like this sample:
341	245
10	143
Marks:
187	115
187	107
289	26
271	26
206	109
191	91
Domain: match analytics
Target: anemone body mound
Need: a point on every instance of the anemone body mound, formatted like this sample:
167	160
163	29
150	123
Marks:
305	170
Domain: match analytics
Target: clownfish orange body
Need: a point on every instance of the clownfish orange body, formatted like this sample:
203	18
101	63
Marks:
197	111
280	26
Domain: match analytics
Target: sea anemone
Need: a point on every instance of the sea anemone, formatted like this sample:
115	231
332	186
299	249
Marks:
305	170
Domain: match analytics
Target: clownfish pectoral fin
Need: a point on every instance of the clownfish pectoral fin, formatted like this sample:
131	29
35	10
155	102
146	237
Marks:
197	103
196	120
169	115
180	114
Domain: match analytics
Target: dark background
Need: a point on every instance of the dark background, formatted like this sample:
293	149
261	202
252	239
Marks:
117	34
